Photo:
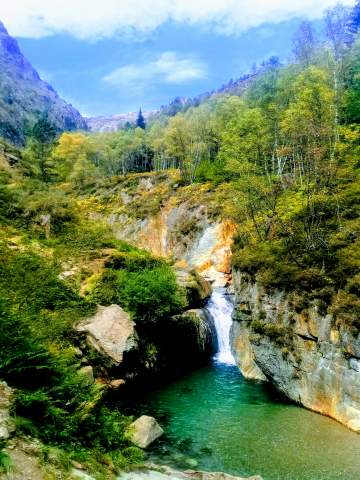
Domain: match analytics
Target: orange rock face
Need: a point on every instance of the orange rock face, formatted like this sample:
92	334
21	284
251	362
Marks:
186	235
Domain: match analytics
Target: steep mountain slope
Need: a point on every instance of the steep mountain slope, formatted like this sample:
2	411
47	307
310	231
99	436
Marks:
24	96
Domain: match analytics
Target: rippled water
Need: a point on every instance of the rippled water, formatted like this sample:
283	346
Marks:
215	420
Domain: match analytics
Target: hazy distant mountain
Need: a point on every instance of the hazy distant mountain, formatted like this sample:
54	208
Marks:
233	87
24	97
179	104
115	122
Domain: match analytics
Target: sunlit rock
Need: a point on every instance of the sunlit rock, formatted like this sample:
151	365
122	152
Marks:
304	354
144	431
87	373
157	472
111	332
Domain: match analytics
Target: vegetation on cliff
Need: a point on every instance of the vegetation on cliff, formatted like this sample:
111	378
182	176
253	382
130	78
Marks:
281	160
54	267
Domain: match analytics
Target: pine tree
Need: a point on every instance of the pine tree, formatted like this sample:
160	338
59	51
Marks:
40	144
140	121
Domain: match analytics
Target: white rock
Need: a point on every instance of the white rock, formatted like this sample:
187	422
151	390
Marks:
80	474
157	472
355	364
144	431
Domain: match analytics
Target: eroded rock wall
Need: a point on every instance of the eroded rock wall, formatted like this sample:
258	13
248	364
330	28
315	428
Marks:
303	353
186	234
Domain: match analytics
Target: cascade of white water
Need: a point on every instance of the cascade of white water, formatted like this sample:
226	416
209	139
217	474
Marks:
221	308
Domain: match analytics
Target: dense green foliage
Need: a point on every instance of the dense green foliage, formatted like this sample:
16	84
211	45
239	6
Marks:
287	150
42	234
150	294
281	160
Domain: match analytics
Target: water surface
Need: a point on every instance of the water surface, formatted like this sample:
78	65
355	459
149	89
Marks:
216	420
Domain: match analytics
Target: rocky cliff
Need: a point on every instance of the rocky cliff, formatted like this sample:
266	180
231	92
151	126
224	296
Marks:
302	351
181	228
24	96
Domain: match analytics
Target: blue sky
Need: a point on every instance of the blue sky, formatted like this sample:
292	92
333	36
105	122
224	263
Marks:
117	55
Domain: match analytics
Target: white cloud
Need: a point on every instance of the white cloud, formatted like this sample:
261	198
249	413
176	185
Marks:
167	67
93	19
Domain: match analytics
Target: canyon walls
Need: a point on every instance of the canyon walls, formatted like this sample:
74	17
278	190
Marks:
302	352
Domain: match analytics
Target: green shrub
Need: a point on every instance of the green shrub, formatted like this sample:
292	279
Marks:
134	260
149	295
5	460
275	332
143	285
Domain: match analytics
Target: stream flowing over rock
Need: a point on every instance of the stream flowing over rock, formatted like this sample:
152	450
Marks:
304	354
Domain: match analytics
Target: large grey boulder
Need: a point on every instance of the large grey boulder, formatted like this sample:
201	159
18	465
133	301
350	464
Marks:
111	332
144	431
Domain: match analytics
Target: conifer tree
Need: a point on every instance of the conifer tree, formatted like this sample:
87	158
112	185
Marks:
140	121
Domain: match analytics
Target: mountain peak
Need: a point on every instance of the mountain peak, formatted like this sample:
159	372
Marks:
24	96
2	28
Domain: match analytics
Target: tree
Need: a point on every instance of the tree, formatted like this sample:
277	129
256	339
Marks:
83	171
69	148
37	155
140	121
304	43
337	30
44	131
308	124
246	143
352	85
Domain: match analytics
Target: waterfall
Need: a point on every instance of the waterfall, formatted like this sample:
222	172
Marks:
221	308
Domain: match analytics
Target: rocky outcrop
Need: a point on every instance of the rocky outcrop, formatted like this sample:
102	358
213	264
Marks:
6	422
199	329
198	290
114	122
111	332
303	352
157	472
87	373
185	233
29	459
144	431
